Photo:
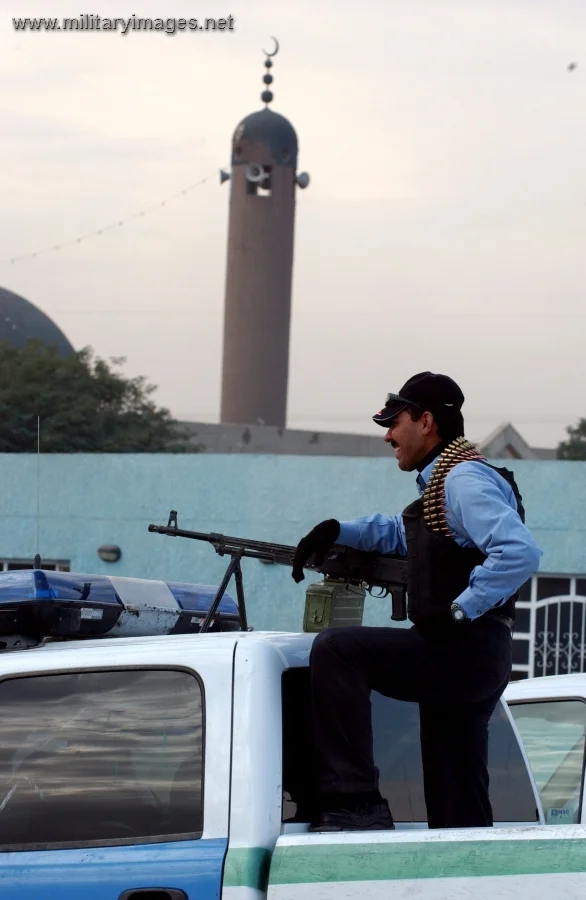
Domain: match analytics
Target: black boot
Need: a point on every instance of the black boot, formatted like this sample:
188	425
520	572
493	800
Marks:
353	812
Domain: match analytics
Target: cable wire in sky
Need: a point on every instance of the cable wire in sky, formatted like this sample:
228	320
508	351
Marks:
99	231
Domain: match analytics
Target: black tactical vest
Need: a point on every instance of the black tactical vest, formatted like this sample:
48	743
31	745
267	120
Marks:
438	568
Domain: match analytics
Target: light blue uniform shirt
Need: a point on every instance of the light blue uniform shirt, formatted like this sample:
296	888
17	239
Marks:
481	511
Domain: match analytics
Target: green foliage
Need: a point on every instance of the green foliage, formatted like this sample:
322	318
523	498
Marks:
575	447
84	404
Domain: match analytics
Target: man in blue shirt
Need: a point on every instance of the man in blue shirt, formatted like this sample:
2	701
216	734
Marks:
468	553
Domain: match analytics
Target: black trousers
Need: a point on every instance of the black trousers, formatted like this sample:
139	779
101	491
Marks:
456	681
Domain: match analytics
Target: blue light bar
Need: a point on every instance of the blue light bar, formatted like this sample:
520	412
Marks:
69	604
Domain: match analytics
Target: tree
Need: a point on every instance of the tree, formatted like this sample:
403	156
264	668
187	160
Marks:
85	406
575	447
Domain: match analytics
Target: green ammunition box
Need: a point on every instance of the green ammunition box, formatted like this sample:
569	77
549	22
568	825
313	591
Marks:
331	602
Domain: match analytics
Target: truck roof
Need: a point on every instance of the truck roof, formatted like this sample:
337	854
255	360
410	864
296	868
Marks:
547	686
293	647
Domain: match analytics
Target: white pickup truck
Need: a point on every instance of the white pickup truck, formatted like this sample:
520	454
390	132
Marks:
165	767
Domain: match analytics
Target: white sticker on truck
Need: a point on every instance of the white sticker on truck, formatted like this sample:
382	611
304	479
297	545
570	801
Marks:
562	816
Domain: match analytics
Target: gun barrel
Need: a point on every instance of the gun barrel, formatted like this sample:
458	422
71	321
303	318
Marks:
179	532
225	541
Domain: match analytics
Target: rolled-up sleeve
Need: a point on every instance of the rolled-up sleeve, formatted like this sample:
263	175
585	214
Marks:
478	509
377	533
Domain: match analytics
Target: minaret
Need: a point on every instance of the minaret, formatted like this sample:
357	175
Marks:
260	265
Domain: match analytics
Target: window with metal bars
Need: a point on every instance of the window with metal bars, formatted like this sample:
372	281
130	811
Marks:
53	565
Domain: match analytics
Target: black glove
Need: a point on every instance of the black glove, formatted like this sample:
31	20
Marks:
318	541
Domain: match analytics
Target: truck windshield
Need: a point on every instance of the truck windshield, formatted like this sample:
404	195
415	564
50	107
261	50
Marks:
398	757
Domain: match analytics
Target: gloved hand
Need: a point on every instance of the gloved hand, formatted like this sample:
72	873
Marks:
318	541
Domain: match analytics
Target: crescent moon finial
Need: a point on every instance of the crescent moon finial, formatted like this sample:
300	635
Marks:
275	51
267	94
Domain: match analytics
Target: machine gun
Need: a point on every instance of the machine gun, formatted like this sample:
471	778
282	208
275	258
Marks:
348	573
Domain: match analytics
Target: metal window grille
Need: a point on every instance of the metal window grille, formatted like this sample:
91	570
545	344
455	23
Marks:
54	565
555	642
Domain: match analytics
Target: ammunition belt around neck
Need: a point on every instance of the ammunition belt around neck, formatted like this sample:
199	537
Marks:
434	501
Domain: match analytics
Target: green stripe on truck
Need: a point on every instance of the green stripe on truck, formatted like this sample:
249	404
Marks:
247	867
449	859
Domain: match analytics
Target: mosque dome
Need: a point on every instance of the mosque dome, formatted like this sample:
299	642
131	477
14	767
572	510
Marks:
21	321
272	130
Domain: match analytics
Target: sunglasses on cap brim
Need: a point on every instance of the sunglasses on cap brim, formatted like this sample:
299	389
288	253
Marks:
396	398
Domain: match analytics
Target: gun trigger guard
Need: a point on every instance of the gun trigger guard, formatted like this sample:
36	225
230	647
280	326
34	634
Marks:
381	595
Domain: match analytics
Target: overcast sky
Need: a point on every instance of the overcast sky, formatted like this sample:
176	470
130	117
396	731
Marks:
444	226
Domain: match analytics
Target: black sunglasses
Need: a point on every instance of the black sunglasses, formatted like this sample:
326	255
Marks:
396	398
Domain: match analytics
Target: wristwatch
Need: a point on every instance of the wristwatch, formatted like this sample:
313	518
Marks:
458	614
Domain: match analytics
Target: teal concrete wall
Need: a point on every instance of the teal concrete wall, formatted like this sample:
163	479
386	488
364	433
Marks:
88	500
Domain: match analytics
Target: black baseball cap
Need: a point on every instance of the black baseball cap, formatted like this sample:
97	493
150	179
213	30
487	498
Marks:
437	394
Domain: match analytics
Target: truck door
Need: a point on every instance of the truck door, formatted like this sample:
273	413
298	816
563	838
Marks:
106	770
553	730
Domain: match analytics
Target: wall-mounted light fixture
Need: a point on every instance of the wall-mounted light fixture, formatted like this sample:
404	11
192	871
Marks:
109	552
